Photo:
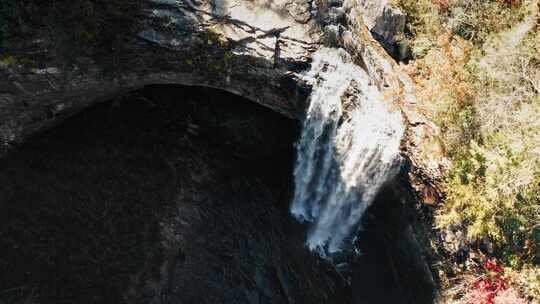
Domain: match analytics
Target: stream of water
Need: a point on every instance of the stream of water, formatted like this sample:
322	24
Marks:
348	149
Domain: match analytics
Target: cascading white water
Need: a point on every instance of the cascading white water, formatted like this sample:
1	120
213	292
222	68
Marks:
344	156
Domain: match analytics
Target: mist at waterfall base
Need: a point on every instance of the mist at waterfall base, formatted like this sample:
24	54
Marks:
346	152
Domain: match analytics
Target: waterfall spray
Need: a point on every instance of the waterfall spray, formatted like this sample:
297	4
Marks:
347	150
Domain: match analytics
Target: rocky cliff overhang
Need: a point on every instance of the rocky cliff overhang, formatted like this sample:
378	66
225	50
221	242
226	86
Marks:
256	49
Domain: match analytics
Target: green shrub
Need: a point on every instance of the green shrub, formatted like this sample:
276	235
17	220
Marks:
495	188
472	20
477	73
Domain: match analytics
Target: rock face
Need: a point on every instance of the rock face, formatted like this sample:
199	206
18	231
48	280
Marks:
171	196
393	246
385	23
253	49
228	241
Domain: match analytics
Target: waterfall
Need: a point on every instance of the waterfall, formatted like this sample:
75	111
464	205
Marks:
348	149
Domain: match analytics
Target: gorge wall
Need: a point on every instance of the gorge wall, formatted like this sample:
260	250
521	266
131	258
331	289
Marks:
185	194
173	195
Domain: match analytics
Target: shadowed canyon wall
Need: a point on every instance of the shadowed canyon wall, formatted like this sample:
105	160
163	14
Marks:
180	195
170	195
